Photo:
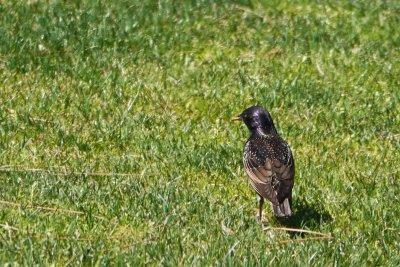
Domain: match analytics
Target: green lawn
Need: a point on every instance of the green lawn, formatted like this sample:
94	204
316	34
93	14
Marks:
116	144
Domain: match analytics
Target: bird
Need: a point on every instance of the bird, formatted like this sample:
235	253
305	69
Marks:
268	161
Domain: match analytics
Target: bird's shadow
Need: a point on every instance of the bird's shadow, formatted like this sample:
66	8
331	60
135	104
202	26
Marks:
306	216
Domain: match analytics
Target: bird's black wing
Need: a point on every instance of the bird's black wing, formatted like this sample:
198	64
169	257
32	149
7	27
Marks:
269	163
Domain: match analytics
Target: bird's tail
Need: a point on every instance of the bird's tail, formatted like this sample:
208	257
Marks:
283	209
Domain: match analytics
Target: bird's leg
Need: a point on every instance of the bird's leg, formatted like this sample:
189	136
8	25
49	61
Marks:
260	203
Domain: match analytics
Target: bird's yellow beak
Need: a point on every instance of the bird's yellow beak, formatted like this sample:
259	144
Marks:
238	118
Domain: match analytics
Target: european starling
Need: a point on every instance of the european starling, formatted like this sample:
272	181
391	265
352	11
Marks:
268	161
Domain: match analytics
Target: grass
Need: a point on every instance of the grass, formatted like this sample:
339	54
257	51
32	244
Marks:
116	144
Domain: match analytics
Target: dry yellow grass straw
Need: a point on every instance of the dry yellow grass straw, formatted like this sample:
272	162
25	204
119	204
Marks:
18	168
304	239
297	231
51	209
56	236
319	235
250	11
9	227
41	235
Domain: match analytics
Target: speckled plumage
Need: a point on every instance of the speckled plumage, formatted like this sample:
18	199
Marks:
268	161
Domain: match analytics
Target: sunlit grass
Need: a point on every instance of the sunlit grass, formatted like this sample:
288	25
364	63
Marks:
116	143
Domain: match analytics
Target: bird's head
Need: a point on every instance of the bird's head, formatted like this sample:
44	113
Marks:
256	119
